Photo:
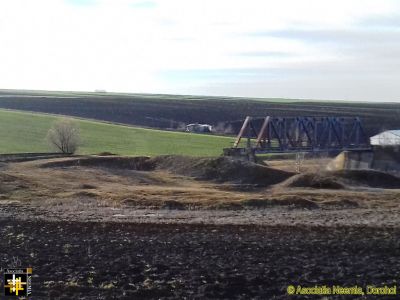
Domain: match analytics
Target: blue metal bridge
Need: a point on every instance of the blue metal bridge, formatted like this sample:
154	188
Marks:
299	134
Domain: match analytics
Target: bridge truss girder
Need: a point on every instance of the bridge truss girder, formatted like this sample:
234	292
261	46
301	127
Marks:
303	134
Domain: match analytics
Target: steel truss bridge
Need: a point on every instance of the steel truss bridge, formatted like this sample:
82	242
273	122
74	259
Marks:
300	134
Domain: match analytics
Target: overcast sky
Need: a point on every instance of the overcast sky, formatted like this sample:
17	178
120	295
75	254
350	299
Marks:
348	50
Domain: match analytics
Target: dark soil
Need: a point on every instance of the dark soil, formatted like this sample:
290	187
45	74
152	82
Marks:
138	261
291	201
344	178
170	111
369	178
312	180
342	203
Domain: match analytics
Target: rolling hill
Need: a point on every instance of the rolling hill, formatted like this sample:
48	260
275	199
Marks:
172	111
25	132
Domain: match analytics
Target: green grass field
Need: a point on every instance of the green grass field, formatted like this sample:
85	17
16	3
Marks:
26	132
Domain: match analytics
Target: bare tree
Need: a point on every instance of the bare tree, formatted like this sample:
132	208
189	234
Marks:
64	136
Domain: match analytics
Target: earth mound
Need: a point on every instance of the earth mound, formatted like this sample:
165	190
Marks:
139	163
220	169
313	180
370	178
344	178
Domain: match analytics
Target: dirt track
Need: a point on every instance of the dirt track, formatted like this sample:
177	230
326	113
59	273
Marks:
133	261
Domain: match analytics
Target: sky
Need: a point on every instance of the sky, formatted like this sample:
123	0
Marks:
308	49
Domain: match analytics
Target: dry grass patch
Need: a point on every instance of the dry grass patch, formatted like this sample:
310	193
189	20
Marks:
185	183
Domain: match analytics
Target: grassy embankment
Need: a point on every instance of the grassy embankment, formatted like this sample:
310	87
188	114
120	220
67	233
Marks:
25	132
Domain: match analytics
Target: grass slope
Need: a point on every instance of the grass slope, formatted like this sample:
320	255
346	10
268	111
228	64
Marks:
26	132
